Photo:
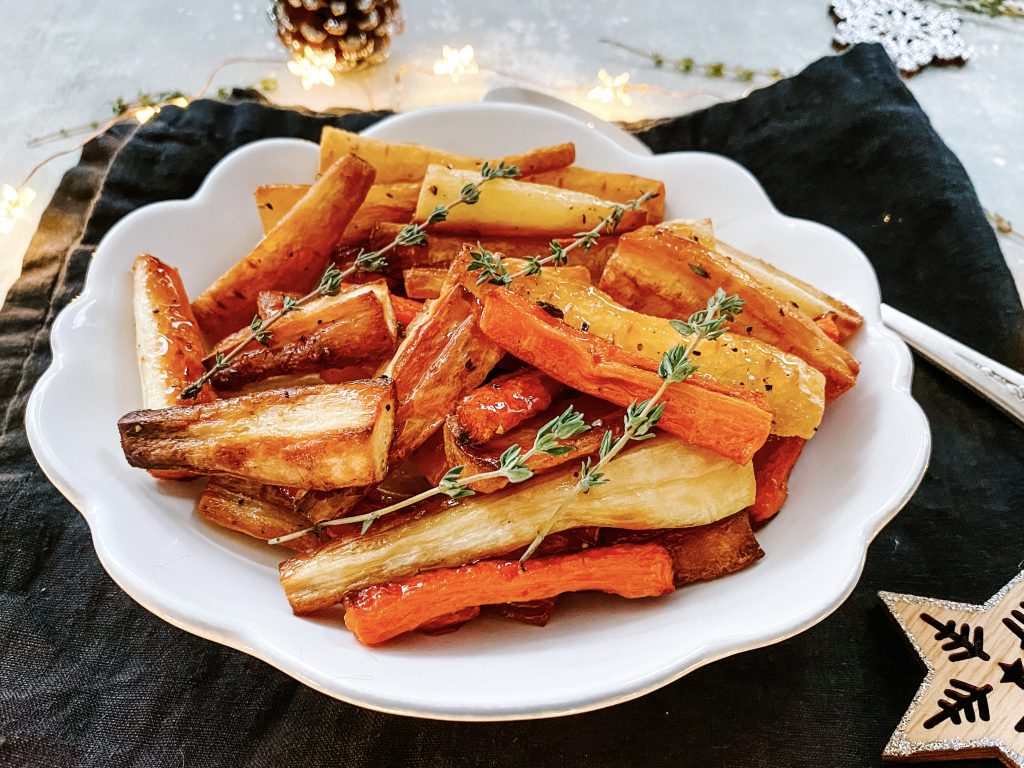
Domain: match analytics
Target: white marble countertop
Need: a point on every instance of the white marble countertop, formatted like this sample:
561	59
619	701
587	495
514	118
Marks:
64	68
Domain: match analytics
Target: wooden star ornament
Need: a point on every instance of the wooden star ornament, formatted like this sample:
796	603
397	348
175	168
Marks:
971	703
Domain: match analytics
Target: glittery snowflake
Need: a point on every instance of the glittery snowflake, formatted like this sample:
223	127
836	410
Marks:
912	34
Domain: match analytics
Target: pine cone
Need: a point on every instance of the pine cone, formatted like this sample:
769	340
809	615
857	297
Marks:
358	31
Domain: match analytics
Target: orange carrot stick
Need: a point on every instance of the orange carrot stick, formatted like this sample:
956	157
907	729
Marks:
727	420
772	465
442	625
380	613
503	404
405	309
827	323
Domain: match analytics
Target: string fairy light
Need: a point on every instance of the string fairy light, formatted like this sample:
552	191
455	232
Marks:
14	203
15	199
456	62
609	89
313	67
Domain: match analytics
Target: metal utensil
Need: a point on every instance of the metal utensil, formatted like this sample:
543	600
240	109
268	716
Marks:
1002	386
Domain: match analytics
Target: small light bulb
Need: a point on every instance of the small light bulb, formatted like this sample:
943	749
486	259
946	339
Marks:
145	114
14	205
313	67
456	62
610	89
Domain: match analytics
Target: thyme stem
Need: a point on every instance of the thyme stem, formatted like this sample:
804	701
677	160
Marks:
372	261
686	64
330	284
512	467
640	419
493	270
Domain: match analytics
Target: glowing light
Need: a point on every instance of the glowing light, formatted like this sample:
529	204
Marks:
14	205
145	114
610	89
313	67
181	101
456	62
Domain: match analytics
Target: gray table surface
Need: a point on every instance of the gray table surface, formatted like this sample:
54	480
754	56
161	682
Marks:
67	63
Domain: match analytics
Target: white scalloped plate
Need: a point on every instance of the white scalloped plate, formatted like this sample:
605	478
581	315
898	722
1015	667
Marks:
863	465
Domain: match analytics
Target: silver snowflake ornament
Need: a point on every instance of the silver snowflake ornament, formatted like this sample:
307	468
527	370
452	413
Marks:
914	35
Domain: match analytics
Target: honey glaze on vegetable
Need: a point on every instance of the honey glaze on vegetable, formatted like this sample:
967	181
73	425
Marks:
379	613
168	341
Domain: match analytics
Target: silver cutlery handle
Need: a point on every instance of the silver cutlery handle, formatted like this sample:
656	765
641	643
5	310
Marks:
1002	386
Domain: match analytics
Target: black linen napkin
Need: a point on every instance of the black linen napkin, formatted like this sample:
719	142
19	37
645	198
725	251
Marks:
89	678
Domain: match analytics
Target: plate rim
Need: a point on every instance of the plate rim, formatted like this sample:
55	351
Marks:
234	634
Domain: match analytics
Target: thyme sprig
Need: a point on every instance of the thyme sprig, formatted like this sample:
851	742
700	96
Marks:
512	465
371	261
712	69
993	8
493	270
641	418
329	285
416	234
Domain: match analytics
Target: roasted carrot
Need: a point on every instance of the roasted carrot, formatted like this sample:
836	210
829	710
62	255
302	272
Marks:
380	613
727	420
534	612
503	404
487	457
405	309
772	465
442	625
827	323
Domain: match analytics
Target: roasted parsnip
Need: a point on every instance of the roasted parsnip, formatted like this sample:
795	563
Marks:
803	296
384	202
353	327
168	344
617	187
793	390
443	355
273	201
800	295
397	162
293	254
703	552
728	420
659	273
323	437
271	301
441	250
702	486
255	510
514	208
